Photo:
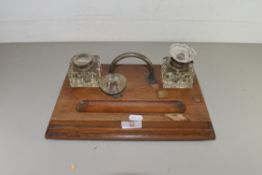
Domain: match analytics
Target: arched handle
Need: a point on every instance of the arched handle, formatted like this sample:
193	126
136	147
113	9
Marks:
151	77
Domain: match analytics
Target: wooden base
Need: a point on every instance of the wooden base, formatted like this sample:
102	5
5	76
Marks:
68	122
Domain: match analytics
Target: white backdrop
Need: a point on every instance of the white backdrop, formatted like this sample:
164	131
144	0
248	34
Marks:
131	20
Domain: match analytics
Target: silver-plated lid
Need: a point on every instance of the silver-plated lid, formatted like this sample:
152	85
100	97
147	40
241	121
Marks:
182	53
82	60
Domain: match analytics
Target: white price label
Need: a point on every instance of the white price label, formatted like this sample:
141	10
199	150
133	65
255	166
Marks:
131	124
135	117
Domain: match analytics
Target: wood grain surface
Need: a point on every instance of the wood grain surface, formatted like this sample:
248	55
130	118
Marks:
168	114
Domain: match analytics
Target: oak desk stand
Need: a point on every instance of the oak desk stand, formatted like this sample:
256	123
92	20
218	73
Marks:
89	114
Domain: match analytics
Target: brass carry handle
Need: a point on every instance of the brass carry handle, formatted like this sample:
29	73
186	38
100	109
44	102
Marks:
151	77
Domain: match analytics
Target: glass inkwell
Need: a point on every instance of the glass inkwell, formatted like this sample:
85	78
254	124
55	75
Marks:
177	69
113	84
84	70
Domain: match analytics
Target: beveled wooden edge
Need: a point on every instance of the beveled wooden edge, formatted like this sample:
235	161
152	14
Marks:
132	137
62	132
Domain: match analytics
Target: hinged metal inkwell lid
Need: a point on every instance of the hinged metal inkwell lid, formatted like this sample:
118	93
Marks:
83	61
182	53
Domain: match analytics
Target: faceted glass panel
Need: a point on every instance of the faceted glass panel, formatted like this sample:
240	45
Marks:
84	71
177	70
178	75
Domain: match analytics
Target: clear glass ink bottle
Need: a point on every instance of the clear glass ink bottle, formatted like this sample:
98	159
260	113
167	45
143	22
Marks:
177	69
84	70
